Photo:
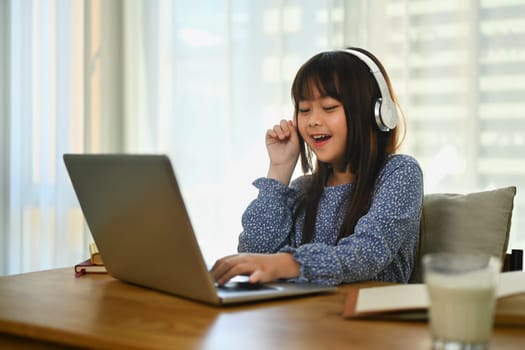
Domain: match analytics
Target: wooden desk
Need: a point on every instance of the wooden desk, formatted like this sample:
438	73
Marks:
43	309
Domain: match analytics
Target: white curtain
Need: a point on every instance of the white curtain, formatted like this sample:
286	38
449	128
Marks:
201	81
62	92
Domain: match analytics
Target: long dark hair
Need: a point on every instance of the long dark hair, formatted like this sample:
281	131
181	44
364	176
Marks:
346	78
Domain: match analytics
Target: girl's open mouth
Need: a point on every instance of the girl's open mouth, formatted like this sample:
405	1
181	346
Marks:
320	140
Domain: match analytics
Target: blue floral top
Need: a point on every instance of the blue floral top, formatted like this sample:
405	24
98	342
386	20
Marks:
382	247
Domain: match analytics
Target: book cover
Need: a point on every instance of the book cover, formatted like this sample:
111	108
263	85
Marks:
410	301
87	266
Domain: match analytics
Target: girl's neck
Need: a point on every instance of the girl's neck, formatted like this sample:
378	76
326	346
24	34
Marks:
340	178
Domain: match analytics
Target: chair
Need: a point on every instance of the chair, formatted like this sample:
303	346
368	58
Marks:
467	223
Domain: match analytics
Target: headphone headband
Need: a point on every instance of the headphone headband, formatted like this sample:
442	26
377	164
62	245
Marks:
385	111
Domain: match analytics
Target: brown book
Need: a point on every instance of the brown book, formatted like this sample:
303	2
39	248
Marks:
87	266
410	301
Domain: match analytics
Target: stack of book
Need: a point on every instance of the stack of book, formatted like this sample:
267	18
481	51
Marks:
94	264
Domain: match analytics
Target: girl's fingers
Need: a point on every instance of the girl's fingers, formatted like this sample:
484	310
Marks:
231	266
282	130
257	277
236	270
270	133
285	127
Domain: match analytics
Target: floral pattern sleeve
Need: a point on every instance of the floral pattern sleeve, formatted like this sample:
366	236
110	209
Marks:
268	220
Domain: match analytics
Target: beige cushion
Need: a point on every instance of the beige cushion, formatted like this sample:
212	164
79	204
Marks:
465	223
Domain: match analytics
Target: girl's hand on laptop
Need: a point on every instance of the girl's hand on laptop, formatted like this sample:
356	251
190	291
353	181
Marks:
260	268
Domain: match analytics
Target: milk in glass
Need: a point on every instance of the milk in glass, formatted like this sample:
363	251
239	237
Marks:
461	290
461	314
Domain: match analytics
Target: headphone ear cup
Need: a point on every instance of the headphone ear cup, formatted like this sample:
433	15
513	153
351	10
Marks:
385	115
378	115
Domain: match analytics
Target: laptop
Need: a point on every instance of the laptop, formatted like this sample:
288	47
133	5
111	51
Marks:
136	214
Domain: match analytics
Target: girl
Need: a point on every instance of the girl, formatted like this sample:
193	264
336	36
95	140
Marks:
355	213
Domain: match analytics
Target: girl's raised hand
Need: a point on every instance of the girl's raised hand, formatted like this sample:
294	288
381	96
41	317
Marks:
282	143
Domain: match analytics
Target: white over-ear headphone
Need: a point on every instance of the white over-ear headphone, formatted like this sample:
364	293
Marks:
385	111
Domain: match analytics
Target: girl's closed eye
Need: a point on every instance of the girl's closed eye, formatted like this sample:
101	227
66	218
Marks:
331	107
304	107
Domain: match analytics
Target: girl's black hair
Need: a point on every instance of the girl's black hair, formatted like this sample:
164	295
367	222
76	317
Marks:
344	77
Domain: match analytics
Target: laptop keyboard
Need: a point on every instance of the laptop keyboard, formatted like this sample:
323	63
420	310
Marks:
243	286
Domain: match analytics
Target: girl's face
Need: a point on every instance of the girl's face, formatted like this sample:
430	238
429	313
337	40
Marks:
322	124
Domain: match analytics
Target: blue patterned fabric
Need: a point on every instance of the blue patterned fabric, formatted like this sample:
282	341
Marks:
382	247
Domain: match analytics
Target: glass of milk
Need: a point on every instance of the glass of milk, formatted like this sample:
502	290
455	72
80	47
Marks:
461	290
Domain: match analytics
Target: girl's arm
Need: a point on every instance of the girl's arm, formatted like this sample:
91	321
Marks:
268	220
384	241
